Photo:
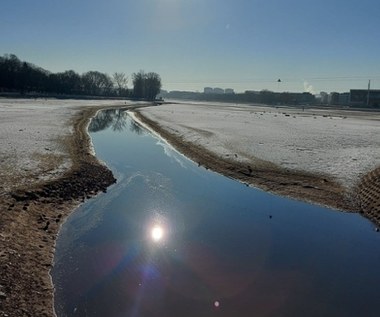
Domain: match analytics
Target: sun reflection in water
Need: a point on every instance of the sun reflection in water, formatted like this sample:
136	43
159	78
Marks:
157	233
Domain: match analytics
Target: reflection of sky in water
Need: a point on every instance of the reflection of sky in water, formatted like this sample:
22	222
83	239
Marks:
225	250
170	152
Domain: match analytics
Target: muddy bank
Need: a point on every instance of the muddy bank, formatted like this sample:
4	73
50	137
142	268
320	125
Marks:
369	196
269	177
30	220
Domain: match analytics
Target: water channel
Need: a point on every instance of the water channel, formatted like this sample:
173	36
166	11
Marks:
173	239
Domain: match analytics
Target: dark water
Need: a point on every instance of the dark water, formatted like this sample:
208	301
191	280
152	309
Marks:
226	249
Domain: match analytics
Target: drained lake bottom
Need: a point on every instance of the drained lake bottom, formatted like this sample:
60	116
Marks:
174	239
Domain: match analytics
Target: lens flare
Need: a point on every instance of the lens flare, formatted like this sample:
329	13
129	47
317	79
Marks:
157	233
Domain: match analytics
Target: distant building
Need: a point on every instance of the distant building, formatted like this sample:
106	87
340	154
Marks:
333	98
218	91
229	91
324	98
363	97
344	99
208	90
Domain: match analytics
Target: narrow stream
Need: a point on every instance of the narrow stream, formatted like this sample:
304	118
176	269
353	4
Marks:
173	239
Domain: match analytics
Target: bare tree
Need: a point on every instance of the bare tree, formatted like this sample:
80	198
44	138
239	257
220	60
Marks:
139	84
152	85
146	85
121	80
96	83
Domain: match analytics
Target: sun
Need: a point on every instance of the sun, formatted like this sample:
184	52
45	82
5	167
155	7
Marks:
157	233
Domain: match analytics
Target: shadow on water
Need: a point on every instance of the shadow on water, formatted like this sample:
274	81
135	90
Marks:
172	239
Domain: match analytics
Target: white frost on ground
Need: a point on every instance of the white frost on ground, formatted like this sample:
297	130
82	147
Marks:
31	132
344	145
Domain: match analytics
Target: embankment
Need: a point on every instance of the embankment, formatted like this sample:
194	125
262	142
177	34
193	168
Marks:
30	221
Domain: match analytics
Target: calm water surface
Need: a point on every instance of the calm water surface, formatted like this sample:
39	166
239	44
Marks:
172	239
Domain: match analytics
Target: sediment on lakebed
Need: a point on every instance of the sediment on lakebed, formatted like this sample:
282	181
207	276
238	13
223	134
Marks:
369	196
30	221
305	186
31	217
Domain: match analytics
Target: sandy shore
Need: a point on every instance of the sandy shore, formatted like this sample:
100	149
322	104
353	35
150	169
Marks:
47	169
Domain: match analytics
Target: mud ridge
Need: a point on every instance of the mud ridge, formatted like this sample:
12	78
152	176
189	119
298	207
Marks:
303	186
30	221
369	196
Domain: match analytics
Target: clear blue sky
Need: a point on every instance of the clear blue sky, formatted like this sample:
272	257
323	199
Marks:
243	44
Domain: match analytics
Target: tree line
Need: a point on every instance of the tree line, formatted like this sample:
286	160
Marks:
23	77
262	97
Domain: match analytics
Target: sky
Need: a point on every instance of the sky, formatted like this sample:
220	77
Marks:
311	45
